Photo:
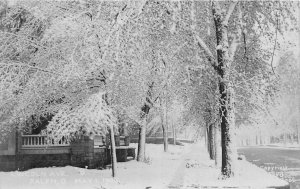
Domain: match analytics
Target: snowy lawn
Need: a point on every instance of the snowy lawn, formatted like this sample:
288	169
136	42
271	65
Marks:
204	174
182	167
156	173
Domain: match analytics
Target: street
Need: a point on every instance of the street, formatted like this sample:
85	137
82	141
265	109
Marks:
282	162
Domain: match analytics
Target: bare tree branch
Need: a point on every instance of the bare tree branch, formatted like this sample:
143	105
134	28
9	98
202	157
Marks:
208	52
229	12
23	64
274	48
234	44
25	39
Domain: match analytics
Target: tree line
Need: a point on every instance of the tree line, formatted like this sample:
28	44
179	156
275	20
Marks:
207	64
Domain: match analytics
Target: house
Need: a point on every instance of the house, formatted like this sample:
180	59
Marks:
21	152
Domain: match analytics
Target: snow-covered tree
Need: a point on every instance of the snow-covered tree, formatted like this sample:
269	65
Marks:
235	24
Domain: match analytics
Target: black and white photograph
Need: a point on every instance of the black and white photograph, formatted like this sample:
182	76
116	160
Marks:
149	94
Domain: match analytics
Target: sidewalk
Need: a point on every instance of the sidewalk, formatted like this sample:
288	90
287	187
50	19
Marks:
197	171
182	167
156	173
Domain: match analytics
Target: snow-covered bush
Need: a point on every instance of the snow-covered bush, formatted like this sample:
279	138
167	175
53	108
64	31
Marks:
90	118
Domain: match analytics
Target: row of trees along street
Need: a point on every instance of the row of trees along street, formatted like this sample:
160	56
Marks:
281	123
209	67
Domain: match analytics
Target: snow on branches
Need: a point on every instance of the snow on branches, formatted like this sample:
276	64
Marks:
90	118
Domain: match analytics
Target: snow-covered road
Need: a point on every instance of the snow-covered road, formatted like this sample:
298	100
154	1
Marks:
281	161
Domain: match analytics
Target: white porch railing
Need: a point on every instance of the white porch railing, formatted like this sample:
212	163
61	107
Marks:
42	141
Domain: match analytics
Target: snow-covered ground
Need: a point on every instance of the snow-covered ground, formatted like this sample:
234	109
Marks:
206	174
182	167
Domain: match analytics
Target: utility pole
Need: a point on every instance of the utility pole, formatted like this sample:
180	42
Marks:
113	151
113	155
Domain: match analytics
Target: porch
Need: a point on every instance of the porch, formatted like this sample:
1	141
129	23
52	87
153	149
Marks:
29	151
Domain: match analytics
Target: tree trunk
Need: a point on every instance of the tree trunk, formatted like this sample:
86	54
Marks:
207	138
216	142
113	152
164	125
165	136
298	121
142	130
211	141
227	111
229	153
142	143
174	135
142	136
298	130
298	134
